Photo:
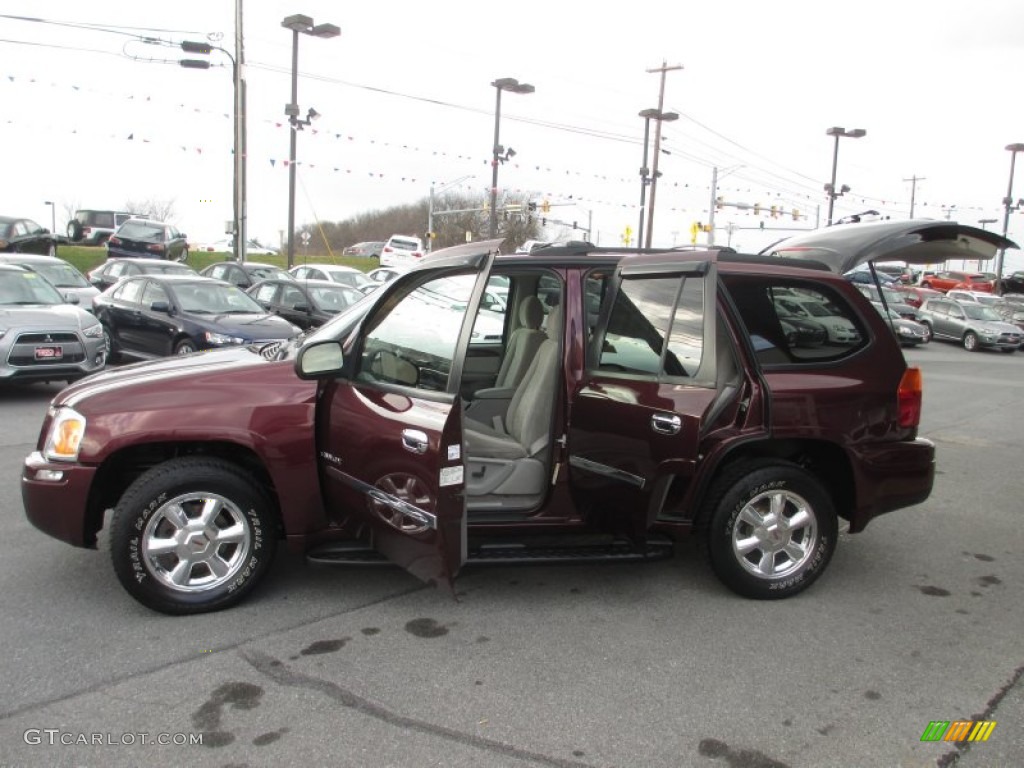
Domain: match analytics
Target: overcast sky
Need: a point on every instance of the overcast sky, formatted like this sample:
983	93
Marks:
406	100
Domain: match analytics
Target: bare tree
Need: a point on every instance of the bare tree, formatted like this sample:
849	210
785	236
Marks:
154	208
69	207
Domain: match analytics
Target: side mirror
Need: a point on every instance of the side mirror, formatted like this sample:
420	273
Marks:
160	306
320	359
71	298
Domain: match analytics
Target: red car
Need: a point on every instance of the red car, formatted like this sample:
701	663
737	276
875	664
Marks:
915	295
970	281
629	398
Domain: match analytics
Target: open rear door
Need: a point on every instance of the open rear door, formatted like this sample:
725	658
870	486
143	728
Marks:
917	241
650	381
389	426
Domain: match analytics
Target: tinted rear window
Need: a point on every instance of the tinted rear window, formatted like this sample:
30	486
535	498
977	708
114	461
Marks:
793	322
406	245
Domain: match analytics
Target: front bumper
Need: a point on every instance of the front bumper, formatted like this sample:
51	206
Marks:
59	506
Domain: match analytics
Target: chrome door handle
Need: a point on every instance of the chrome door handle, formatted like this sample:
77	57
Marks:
666	424
414	440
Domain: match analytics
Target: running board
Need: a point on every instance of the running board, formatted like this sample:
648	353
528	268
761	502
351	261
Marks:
618	551
509	553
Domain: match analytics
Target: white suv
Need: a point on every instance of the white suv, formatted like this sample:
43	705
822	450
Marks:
401	251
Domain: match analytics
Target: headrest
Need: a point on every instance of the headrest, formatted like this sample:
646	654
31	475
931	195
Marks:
553	323
531	312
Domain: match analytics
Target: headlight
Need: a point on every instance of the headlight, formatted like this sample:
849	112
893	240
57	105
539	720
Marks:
93	331
221	338
65	437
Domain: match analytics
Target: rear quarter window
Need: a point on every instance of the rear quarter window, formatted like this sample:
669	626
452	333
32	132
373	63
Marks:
795	322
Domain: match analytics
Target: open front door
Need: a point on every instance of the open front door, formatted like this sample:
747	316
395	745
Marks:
390	427
650	380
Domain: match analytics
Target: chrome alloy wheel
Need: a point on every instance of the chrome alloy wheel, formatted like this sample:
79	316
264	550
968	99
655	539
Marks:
196	542
408	489
774	534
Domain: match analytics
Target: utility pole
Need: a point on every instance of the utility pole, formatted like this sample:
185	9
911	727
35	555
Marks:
711	207
913	190
663	69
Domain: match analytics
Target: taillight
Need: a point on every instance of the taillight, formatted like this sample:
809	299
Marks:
114	240
908	397
387	250
417	255
155	248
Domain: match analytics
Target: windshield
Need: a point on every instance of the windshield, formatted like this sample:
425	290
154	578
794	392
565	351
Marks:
334	298
26	288
213	298
166	268
62	275
980	312
355	279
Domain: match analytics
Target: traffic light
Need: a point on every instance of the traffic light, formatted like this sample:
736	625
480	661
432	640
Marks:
531	206
796	214
191	47
546	206
707	227
694	229
718	203
757	209
775	212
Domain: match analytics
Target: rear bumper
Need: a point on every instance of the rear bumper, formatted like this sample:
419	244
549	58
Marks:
58	506
892	476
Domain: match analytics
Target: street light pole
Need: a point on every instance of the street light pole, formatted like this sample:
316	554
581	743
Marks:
238	195
1013	149
838	132
304	24
514	86
646	177
646	115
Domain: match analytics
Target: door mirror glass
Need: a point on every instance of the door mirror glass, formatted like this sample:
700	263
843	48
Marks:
320	358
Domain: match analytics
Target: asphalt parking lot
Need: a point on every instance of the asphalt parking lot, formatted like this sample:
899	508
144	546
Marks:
917	620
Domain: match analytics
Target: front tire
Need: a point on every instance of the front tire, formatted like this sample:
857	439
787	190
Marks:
773	529
192	535
113	352
971	341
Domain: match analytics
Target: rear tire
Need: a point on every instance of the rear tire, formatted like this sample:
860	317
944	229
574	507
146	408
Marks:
184	347
192	535
773	529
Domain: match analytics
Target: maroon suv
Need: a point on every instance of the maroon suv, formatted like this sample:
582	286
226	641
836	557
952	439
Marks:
623	399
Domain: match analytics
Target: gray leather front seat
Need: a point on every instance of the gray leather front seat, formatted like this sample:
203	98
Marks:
509	458
523	344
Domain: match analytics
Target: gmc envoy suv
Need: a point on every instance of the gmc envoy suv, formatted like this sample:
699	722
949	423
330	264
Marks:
632	398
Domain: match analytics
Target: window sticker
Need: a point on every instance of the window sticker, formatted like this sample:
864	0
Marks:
451	476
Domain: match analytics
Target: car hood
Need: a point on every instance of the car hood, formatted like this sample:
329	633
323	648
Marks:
50	316
995	326
250	326
847	246
161	370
